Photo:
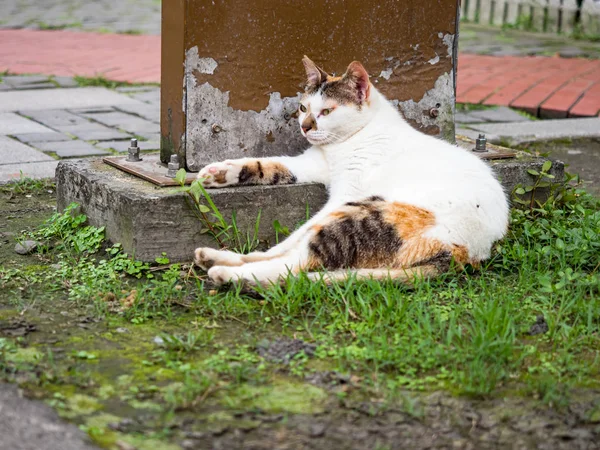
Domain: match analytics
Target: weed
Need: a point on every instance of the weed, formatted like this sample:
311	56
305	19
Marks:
227	235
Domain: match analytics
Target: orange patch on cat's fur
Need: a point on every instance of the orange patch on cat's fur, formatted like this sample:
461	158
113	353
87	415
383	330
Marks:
409	220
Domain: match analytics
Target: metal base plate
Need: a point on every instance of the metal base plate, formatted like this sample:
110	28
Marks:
492	151
150	168
153	170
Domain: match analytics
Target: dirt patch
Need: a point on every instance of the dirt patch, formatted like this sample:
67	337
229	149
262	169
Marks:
284	349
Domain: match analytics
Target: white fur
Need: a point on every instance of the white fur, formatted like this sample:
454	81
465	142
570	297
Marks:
370	151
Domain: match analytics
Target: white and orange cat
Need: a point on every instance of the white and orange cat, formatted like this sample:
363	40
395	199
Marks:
401	204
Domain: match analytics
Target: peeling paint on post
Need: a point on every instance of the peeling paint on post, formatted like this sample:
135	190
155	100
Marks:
241	75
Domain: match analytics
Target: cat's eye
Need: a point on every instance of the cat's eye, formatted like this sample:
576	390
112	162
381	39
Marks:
302	108
325	112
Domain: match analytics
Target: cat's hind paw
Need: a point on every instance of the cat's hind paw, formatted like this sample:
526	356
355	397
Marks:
220	174
221	275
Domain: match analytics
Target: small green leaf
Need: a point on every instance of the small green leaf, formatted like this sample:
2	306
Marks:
520	191
533	172
546	166
560	244
203	208
181	176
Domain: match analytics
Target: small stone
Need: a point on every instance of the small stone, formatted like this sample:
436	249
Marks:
26	247
158	340
317	430
55	266
122	330
539	327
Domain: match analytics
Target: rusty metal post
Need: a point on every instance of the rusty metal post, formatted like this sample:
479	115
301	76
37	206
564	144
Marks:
232	70
172	95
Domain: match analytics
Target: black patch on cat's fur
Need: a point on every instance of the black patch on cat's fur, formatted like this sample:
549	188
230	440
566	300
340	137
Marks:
353	241
244	175
441	261
251	174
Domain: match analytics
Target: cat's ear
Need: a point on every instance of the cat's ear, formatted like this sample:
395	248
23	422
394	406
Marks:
359	78
314	74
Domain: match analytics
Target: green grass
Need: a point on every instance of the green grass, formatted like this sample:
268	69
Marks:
190	347
99	81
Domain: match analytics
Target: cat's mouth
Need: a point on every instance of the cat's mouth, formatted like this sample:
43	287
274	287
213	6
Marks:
317	137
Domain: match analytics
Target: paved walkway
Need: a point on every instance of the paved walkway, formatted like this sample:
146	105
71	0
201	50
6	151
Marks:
551	87
112	16
43	120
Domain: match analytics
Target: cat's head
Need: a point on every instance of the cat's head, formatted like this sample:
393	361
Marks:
334	108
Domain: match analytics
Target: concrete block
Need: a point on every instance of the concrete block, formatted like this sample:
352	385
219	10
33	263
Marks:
149	220
540	130
40	99
11	123
12	172
71	149
13	152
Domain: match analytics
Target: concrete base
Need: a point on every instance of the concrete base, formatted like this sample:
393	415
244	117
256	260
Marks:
148	220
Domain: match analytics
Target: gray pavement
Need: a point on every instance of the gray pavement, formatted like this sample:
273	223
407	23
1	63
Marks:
40	126
111	16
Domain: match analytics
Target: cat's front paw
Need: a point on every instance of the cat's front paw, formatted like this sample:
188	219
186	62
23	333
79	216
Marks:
220	174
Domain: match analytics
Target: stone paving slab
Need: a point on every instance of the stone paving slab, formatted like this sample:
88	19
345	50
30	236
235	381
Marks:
122	146
94	132
541	130
11	123
150	111
51	136
44	99
138	16
54	118
125	122
71	149
13	172
500	114
15	152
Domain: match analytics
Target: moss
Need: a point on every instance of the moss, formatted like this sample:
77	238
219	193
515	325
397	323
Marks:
296	398
79	405
29	355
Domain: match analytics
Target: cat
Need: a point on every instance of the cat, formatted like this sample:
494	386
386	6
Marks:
401	204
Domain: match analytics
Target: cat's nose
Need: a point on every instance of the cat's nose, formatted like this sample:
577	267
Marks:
308	124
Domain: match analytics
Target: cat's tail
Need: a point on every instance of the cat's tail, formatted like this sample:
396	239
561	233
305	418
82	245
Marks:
407	276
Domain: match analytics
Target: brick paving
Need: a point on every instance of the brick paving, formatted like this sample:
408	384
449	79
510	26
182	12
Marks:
40	126
549	87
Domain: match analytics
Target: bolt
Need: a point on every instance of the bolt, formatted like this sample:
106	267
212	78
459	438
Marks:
434	112
480	144
173	166
133	152
216	128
